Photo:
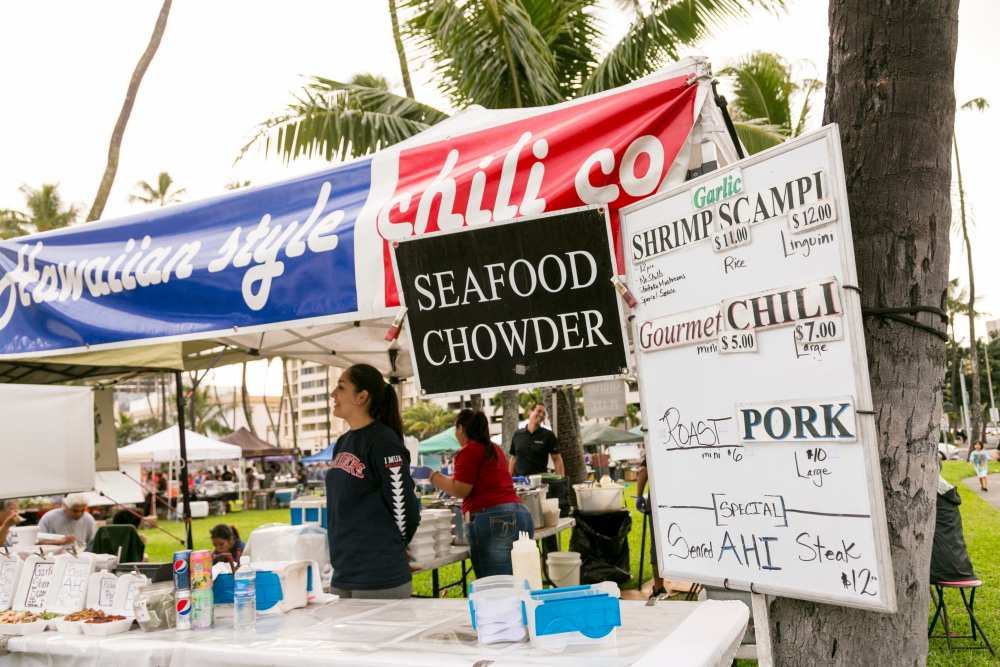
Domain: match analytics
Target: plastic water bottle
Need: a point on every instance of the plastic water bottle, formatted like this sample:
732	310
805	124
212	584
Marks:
245	596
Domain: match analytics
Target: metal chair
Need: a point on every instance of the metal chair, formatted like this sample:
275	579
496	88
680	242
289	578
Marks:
941	611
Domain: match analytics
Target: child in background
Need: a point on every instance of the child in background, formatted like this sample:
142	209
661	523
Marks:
978	462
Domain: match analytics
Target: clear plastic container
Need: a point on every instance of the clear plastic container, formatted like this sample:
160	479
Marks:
154	606
495	604
574	619
598	499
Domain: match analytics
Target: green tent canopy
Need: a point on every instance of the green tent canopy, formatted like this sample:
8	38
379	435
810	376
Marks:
602	434
442	442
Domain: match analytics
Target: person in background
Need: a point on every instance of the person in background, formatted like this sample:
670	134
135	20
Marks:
9	518
979	463
482	479
71	521
226	543
642	505
531	447
227	474
372	508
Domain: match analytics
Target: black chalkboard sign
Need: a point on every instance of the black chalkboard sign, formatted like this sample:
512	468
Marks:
516	304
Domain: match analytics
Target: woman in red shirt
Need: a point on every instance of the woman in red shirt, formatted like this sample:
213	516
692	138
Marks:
494	513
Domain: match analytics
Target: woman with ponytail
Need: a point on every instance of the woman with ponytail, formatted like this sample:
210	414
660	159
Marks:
372	508
494	513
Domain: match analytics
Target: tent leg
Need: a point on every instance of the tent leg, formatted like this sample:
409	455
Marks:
185	493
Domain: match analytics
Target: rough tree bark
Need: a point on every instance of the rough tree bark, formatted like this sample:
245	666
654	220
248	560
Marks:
570	445
890	89
116	135
511	417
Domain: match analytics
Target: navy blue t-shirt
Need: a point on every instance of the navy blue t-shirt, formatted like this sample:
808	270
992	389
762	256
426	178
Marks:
372	509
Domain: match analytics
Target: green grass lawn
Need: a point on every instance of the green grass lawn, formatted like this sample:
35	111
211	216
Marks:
981	523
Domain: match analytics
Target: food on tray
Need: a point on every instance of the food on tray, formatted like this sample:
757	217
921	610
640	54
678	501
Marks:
85	615
12	617
106	619
48	615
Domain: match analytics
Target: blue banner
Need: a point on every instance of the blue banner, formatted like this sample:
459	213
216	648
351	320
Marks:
259	256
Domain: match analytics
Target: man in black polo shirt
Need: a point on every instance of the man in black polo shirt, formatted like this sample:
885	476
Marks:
531	447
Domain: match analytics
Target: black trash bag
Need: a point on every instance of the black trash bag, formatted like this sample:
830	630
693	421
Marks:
949	556
601	539
559	488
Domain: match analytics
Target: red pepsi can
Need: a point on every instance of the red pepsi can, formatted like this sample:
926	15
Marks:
185	607
182	570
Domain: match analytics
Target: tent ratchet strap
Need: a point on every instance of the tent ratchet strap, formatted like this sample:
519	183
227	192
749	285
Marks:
141	518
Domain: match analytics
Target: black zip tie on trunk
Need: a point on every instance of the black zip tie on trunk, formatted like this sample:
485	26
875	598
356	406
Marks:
896	314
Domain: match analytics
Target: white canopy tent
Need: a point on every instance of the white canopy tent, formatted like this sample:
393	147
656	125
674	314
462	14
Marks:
165	447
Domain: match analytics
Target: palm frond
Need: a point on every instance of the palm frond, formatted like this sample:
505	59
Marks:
976	104
807	88
13	224
340	120
763	89
572	32
486	52
757	136
655	38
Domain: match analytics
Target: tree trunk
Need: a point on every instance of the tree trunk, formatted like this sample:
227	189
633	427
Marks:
511	417
247	410
292	405
891	90
956	388
975	400
116	135
403	67
570	445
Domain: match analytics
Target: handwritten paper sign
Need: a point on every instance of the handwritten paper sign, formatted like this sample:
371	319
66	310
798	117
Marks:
72	587
754	381
38	585
106	598
9	569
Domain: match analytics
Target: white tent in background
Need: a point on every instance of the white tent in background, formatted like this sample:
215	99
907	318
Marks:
165	446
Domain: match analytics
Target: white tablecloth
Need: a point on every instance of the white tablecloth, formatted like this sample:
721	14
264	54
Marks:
411	633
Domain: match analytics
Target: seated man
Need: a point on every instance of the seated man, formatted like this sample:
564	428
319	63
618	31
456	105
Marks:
71	520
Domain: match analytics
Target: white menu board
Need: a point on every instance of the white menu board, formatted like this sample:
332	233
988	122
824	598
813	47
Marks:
761	440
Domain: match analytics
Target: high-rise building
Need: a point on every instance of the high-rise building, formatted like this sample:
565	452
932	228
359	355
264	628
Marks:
307	411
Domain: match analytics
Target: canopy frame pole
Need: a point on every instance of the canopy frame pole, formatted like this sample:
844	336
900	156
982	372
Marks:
185	493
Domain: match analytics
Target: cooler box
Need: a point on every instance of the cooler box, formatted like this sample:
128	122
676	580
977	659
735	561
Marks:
199	509
308	510
284	496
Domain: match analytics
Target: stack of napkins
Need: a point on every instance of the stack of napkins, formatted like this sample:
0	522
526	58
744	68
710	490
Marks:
499	619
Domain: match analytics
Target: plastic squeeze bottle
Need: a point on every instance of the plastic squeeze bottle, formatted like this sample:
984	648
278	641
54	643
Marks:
525	561
245	596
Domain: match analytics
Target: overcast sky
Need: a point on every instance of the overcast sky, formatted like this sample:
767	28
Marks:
225	66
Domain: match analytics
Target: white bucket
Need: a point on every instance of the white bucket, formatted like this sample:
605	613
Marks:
564	568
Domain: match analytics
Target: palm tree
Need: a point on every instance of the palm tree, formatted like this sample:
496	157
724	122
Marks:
45	212
160	195
958	303
424	419
498	54
976	422
119	132
209	418
400	51
762	105
12	223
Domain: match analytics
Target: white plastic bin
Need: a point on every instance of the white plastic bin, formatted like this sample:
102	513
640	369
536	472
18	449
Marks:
598	499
